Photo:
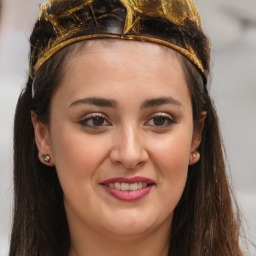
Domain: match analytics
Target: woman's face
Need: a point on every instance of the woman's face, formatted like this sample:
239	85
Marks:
121	138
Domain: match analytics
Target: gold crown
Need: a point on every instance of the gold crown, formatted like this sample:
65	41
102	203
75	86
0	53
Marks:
63	22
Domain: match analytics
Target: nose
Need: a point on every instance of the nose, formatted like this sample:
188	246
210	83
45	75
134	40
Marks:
129	148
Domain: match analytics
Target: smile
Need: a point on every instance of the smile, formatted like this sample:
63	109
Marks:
126	186
128	189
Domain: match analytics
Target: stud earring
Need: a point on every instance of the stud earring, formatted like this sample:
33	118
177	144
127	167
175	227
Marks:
46	158
195	156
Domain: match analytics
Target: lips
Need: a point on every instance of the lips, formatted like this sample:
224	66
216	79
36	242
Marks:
128	188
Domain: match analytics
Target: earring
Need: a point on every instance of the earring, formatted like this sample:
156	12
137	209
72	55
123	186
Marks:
46	158
195	156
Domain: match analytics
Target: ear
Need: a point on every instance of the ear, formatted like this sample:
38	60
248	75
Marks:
196	140
43	141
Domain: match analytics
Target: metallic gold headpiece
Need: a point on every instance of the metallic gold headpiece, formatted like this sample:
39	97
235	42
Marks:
173	23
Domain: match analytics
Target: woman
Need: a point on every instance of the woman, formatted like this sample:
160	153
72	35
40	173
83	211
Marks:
117	147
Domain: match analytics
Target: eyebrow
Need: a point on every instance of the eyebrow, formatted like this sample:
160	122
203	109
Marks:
161	101
103	102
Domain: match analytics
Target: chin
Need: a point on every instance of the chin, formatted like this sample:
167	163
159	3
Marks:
133	224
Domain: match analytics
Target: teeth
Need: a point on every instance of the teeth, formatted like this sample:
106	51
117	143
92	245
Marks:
117	185
133	186
126	186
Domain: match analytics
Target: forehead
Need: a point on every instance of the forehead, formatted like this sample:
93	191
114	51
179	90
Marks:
127	53
113	65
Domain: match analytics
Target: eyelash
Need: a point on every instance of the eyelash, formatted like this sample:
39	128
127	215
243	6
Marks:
168	121
92	117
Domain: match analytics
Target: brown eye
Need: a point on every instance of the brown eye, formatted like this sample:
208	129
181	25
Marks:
159	120
95	121
98	120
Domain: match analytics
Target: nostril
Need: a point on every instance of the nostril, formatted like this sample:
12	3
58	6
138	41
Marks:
129	154
128	165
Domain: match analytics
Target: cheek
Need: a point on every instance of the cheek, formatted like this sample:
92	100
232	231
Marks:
171	153
77	155
171	159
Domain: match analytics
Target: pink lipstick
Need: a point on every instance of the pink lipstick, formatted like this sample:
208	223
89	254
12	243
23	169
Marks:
128	188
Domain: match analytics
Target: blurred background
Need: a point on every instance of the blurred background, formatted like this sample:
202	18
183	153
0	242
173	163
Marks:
231	26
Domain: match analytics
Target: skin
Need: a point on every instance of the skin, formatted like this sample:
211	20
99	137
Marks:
128	142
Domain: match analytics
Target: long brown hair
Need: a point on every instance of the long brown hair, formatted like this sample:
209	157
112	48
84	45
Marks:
204	222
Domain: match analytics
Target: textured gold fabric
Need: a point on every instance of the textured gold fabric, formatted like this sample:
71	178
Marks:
69	21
